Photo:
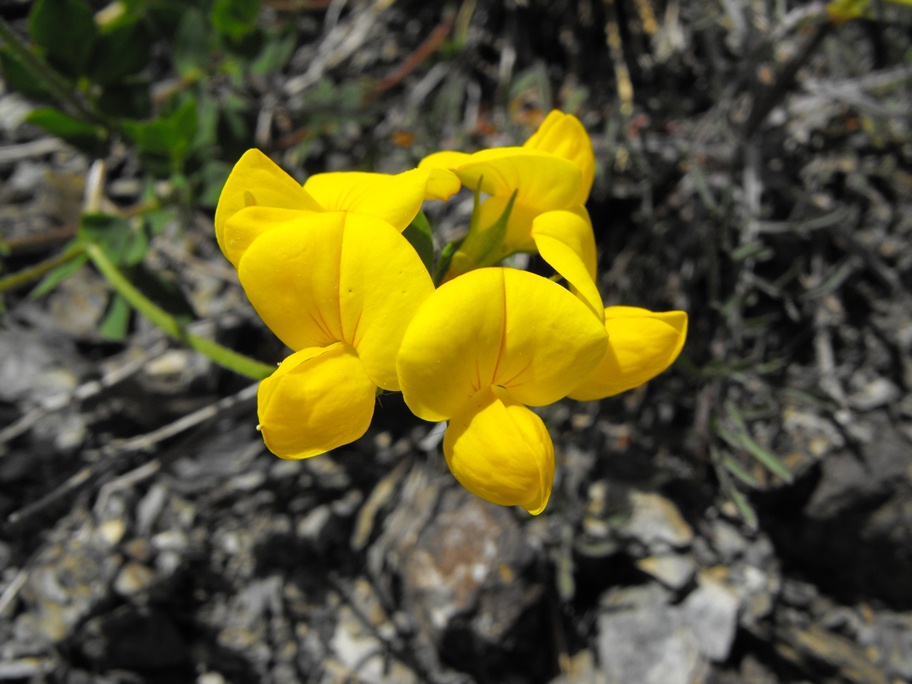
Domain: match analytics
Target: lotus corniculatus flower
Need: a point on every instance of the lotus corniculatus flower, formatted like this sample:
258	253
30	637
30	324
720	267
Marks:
327	269
480	350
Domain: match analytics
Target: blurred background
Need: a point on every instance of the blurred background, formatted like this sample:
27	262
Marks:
745	517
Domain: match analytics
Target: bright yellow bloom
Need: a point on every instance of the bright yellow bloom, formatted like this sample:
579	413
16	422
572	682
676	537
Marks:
339	289
479	350
259	196
641	344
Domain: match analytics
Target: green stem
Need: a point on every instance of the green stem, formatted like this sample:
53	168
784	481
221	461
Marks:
49	77
28	275
243	365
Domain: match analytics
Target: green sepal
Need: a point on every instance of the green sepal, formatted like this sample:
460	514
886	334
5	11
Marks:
418	233
481	246
445	259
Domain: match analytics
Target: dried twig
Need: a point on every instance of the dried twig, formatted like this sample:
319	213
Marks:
124	366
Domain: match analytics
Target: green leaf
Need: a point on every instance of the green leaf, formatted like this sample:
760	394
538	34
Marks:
20	79
57	276
113	234
121	50
418	233
212	177
84	136
155	220
739	472
169	137
767	458
748	515
65	31
275	53
844	10
126	99
740	439
234	18
191	47
116	322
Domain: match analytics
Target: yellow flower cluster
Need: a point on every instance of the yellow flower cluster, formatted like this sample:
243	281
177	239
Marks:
327	268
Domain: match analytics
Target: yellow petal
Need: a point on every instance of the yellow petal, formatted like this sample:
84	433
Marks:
333	277
317	400
564	135
448	159
441	184
567	243
244	226
258	181
395	199
543	181
496	326
501	451
382	284
291	276
641	344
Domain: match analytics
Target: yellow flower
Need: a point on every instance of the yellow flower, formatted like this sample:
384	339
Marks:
478	351
258	196
339	289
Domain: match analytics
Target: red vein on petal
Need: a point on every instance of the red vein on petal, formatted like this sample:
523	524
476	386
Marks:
503	330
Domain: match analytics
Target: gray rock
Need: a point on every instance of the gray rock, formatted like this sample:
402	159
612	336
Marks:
359	651
465	562
580	668
656	522
890	638
67	582
711	612
877	393
134	579
642	638
673	571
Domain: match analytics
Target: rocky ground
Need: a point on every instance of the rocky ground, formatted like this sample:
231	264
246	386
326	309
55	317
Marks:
146	535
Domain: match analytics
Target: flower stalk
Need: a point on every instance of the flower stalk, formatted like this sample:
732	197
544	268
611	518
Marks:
227	358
